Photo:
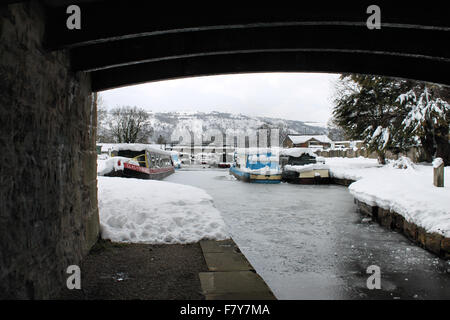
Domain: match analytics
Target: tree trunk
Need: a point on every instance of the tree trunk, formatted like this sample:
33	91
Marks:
428	147
381	157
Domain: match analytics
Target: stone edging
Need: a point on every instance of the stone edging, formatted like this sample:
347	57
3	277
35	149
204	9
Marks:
230	275
433	242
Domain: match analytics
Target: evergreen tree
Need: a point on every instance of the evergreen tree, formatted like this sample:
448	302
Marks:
367	108
428	118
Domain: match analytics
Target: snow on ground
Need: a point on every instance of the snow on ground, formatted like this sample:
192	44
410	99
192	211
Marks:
149	211
350	168
399	186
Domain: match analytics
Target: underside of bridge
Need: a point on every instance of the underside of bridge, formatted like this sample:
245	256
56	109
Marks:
48	201
130	43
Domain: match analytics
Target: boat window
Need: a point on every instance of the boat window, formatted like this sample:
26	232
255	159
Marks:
141	160
152	164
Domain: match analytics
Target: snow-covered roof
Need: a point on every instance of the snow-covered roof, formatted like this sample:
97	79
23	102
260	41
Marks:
307	167
132	147
297	152
302	139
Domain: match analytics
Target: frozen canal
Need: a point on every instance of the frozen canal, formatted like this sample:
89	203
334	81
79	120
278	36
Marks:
308	242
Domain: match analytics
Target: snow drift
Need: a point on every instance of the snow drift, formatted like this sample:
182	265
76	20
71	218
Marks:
156	212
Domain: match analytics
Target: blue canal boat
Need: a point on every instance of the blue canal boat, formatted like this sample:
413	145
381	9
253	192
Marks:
256	166
175	159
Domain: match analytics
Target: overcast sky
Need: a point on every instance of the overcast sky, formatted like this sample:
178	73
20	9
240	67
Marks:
294	96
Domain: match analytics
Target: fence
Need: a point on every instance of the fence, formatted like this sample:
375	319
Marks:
414	154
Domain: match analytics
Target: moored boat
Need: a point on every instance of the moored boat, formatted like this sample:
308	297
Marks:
302	166
138	161
175	159
224	165
256	166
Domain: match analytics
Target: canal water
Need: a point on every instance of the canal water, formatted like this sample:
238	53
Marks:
309	242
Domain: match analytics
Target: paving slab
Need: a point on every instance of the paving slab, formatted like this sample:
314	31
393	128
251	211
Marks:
234	284
213	246
241	296
230	276
227	261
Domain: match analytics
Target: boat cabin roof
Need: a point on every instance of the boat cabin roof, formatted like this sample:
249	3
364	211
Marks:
297	152
132	148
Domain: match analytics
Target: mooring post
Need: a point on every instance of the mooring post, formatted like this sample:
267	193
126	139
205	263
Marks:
438	177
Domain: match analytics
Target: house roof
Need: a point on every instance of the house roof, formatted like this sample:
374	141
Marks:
302	139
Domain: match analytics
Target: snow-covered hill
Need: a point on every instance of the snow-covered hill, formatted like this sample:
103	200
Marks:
165	124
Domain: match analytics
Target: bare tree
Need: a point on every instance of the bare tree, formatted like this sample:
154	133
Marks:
130	125
335	131
161	140
103	132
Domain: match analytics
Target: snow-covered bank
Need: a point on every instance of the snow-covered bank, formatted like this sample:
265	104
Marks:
149	211
409	192
351	168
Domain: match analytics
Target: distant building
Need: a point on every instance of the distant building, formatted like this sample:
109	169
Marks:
307	141
356	144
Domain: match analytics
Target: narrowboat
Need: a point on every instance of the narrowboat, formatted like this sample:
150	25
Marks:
303	166
138	161
256	166
224	165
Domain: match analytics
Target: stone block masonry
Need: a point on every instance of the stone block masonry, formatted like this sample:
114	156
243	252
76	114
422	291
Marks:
432	242
48	180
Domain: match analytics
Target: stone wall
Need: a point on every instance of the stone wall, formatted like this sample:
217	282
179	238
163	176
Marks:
432	242
48	183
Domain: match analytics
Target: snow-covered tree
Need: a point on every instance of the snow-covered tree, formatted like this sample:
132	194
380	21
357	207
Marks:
392	114
428	118
367	108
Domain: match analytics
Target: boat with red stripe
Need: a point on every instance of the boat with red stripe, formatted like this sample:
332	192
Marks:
139	161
